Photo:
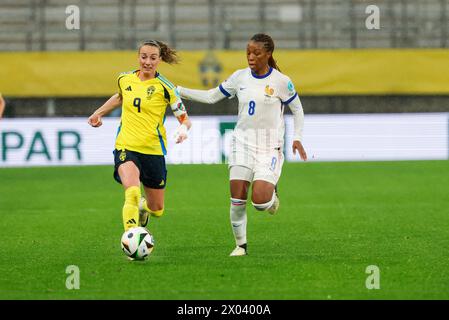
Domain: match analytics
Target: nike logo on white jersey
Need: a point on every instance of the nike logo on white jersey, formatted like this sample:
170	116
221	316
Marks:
243	88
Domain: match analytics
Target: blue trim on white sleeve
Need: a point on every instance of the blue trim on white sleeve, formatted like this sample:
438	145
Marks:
291	99
227	94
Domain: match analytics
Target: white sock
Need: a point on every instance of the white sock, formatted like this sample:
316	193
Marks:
265	206
238	220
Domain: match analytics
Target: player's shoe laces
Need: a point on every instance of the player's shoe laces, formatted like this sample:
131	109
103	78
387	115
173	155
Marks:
144	215
275	207
239	251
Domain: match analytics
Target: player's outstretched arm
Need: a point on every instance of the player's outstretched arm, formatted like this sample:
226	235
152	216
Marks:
2	106
298	123
205	96
112	103
180	113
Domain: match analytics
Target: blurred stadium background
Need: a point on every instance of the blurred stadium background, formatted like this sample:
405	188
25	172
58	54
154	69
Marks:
367	95
338	65
299	26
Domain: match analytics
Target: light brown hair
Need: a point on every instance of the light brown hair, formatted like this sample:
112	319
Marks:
167	54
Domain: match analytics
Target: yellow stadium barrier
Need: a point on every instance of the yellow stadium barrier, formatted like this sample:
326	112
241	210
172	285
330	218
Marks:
314	72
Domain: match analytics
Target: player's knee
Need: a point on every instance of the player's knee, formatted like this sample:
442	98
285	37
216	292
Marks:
259	199
262	201
239	189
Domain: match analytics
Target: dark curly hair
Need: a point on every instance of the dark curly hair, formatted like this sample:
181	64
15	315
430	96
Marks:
268	44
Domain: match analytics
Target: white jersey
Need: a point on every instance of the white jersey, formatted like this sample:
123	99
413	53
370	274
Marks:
258	138
261	106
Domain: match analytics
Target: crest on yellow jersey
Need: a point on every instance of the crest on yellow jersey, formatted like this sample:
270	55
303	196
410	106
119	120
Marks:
150	91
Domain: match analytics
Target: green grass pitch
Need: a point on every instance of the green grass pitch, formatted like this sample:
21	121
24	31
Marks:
335	219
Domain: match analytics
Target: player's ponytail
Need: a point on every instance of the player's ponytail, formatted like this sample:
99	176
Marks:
168	54
272	63
268	44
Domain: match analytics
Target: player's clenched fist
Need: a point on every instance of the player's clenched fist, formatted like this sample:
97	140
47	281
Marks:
181	133
297	146
95	120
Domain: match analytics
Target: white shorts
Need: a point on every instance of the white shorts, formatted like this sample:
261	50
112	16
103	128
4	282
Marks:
250	164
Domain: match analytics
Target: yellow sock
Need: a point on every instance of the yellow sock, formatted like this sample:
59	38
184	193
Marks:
131	208
157	213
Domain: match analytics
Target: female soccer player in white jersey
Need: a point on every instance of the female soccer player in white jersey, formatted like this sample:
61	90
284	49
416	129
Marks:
257	145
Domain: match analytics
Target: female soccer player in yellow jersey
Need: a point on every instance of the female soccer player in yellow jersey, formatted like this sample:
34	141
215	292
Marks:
141	140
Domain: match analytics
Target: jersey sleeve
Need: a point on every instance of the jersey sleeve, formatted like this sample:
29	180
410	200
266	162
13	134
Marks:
205	96
287	92
119	89
119	79
298	117
229	87
174	100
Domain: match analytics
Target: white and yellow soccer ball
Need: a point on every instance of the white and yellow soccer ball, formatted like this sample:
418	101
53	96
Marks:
137	243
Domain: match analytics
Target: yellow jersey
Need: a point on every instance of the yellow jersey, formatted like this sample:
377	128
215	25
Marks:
143	112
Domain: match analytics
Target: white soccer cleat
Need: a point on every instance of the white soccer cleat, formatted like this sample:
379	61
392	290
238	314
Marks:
144	215
275	207
238	251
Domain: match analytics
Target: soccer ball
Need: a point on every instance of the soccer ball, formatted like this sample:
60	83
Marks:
137	243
